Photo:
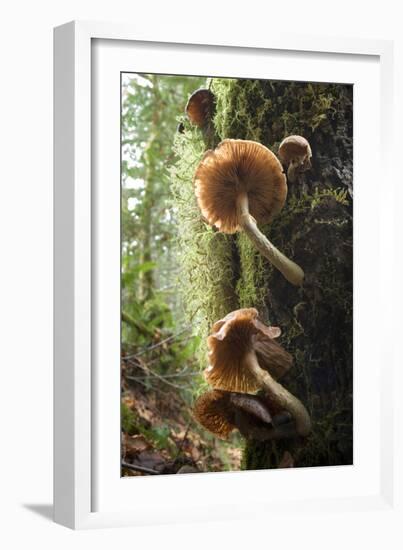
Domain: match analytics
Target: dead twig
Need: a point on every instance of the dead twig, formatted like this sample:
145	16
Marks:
176	375
158	376
138	468
180	445
155	346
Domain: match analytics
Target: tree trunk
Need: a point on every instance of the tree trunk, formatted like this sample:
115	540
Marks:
147	277
315	230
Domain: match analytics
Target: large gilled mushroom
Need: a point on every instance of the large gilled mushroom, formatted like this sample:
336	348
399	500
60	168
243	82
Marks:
230	341
234	364
221	412
240	184
295	152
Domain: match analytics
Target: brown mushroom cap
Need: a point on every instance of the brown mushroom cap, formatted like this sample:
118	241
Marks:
221	412
213	410
200	107
295	149
271	356
234	168
232	340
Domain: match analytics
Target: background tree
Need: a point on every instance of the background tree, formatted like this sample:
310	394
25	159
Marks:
159	372
151	105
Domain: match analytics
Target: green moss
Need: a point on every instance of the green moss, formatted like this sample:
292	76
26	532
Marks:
267	111
234	100
205	255
251	286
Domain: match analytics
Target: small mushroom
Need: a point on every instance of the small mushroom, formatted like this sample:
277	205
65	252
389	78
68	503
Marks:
240	184
234	365
221	412
200	107
295	152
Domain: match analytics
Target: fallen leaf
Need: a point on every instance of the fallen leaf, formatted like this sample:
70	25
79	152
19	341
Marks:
134	445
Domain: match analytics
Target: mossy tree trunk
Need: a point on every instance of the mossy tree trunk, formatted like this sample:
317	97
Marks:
315	230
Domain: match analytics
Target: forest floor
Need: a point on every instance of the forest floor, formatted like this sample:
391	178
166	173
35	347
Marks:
160	436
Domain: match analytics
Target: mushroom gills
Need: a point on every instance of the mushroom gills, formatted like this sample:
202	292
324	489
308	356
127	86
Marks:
239	185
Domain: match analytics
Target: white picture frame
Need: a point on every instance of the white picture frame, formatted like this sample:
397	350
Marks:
87	488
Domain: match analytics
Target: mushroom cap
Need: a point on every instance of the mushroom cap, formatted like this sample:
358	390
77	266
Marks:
221	412
230	344
213	411
236	167
295	148
200	107
271	356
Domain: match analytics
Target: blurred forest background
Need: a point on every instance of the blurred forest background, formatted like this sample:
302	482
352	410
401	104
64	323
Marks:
160	375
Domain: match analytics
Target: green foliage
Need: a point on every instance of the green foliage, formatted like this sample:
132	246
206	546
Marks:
158	436
128	419
152	308
151	105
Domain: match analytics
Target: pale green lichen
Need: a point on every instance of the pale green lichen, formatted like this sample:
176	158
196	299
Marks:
205	255
251	286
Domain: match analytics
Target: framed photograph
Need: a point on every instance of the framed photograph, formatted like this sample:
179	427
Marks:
222	245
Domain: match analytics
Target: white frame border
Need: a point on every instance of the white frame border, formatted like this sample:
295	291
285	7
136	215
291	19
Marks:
72	294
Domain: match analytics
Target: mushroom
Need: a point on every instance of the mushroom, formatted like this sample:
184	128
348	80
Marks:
234	364
295	152
231	340
240	184
200	107
221	412
213	411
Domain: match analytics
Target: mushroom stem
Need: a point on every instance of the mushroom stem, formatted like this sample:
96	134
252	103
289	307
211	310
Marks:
291	271
281	397
292	171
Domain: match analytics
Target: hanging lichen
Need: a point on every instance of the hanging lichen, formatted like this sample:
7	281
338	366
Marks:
207	267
